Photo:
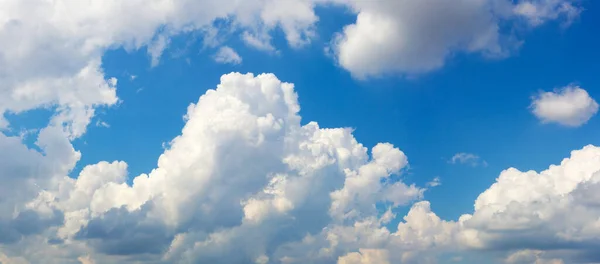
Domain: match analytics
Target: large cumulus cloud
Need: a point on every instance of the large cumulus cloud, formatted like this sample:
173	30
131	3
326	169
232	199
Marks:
243	179
246	182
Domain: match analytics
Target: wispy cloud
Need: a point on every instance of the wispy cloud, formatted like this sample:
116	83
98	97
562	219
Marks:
435	182
468	159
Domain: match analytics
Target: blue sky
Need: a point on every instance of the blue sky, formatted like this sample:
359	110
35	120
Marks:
472	104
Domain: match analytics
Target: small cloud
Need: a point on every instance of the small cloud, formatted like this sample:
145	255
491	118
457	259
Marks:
467	158
435	182
568	106
227	55
102	124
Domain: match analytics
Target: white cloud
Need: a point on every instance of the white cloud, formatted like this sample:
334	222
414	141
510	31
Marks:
250	184
100	123
250	176
435	182
51	51
569	106
467	158
412	37
538	12
227	55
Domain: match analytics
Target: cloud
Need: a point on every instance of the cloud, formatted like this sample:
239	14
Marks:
52	58
245	181
435	182
413	37
248	177
227	55
569	106
526	210
530	256
251	184
365	256
467	158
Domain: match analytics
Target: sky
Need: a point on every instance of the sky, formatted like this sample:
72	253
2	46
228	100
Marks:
299	131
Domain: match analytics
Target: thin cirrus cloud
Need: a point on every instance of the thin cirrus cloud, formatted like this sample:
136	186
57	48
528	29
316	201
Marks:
569	106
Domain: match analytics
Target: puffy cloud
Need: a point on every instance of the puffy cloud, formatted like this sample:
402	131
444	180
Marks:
51	50
552	210
412	37
243	174
569	106
245	182
227	55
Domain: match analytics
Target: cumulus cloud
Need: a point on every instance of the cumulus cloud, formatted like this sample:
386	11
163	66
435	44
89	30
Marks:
243	174
570	106
245	182
467	158
51	51
412	37
227	55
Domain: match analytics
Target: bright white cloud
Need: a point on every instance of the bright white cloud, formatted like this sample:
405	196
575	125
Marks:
243	172
569	106
227	55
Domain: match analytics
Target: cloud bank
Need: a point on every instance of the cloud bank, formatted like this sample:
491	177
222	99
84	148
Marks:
246	183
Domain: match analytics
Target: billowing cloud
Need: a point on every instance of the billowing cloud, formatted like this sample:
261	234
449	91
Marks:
245	182
243	172
227	55
569	106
